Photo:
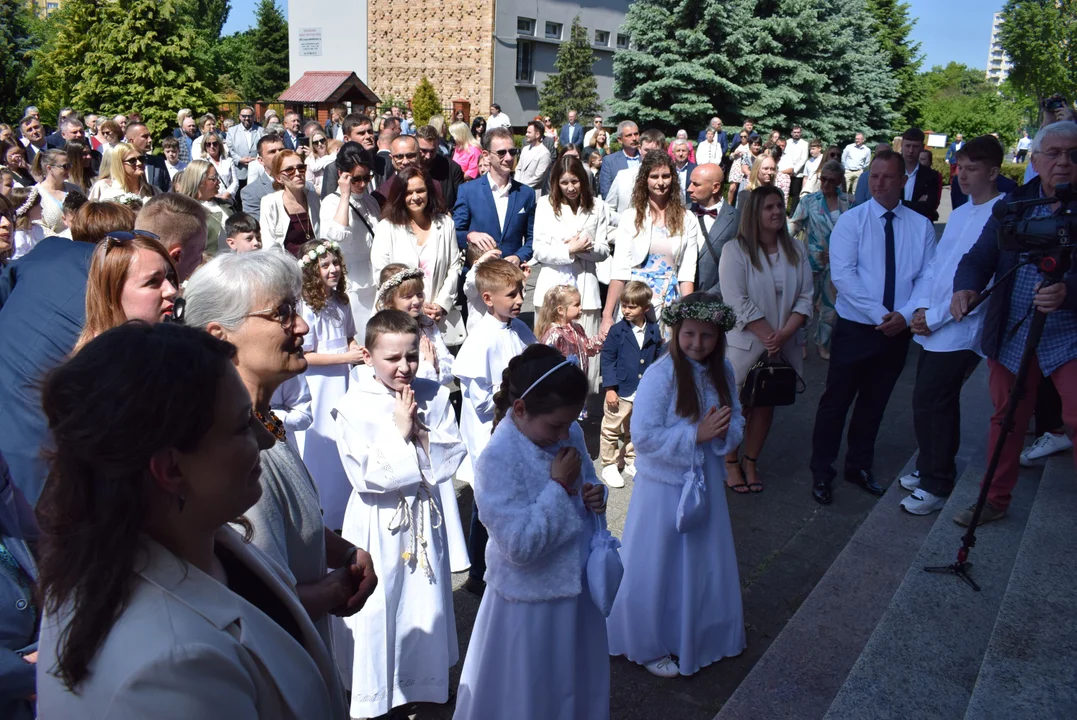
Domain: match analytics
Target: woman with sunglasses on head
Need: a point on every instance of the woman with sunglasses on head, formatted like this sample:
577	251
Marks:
320	157
201	181
217	155
132	277
290	216
126	175
206	124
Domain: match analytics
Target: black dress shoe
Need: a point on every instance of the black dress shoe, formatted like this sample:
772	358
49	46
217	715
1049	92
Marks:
866	480
474	587
820	491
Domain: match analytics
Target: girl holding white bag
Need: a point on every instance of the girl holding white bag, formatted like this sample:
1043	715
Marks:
538	649
680	595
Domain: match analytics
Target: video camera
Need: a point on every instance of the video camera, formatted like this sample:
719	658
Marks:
1042	234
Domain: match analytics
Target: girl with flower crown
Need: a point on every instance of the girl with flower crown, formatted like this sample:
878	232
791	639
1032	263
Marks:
680	595
331	350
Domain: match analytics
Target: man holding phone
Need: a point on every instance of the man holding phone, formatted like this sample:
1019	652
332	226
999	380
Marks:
292	136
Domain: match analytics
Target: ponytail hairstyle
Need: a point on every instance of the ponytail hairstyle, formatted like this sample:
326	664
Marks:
565	386
556	298
688	405
314	293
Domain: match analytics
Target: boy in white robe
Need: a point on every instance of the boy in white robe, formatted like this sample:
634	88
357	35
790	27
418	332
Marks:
398	440
495	339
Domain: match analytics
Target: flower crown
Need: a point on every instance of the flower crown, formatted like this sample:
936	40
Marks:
35	192
323	247
708	311
396	281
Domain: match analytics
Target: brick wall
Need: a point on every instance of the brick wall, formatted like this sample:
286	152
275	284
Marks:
449	41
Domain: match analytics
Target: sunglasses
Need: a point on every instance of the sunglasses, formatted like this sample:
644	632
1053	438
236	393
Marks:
246	117
133	162
294	170
511	152
212	144
64	166
318	142
406	156
361	179
213	178
285	314
117	238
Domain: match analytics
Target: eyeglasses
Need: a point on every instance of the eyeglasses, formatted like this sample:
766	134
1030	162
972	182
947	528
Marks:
213	178
133	162
285	314
246	117
294	170
318	142
1053	155
511	152
406	156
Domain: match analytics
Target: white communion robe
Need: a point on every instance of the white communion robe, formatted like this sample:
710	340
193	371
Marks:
329	333
478	366
680	594
403	641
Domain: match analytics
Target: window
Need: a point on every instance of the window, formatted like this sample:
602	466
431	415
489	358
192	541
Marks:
525	26
525	55
553	30
602	38
622	41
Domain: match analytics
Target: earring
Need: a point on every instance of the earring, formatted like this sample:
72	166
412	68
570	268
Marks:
182	502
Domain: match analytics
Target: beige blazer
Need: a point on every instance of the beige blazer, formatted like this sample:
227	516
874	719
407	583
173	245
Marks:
752	295
188	647
274	218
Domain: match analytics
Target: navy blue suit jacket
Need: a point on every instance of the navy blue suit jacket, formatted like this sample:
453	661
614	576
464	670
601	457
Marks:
571	134
475	211
624	361
611	165
42	311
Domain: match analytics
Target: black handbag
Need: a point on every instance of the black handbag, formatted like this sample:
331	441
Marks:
770	383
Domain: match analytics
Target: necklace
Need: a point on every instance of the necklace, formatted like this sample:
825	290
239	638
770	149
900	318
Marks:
307	233
272	423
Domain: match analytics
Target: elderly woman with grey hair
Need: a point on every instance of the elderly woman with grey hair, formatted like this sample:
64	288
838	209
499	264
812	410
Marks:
250	300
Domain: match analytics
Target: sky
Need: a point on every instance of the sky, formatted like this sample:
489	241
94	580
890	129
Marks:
947	30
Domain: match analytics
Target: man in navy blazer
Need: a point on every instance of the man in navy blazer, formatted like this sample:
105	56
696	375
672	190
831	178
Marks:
496	211
42	310
572	131
628	134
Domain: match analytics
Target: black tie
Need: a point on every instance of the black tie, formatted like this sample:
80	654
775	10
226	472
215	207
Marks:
891	263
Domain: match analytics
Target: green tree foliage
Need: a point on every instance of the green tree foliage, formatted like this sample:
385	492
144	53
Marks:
779	62
573	86
59	62
145	57
208	16
266	74
16	40
1040	36
424	102
959	99
233	53
891	26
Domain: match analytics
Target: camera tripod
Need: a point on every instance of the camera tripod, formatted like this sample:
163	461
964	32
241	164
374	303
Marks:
1052	265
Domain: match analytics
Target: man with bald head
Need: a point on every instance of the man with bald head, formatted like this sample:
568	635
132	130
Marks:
717	220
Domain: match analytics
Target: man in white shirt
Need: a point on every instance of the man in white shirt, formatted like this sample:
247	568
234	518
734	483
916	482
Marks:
589	136
855	159
951	350
879	253
535	159
497	118
1022	147
792	164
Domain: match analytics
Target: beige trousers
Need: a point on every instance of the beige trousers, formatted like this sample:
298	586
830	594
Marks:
614	429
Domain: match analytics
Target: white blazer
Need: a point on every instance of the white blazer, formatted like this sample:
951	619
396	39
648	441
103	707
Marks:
631	249
560	268
274	218
188	647
396	244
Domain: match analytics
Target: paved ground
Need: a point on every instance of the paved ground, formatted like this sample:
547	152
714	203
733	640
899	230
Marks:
785	543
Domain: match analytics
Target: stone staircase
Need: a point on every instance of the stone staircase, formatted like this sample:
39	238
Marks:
880	638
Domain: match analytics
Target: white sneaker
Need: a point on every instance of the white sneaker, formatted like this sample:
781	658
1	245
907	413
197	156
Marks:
911	481
1046	444
921	502
629	472
611	477
663	667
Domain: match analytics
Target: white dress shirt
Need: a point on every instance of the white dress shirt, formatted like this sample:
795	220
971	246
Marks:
910	182
855	157
858	261
496	121
501	197
708	152
682	176
709	221
797	152
963	229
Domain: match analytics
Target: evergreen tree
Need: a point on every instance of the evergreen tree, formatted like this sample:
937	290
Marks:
573	86
891	27
59	62
233	53
144	57
267	72
15	44
424	102
1040	36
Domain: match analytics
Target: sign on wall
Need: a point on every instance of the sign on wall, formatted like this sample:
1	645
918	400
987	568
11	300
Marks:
310	41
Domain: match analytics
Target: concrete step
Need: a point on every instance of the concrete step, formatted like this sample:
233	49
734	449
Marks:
806	664
923	658
1030	669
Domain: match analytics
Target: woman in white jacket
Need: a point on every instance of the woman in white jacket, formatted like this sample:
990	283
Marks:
349	215
289	216
657	240
538	649
571	237
417	232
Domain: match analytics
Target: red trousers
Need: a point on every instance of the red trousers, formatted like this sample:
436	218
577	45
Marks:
1001	379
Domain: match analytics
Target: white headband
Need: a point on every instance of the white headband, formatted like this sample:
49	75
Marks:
570	360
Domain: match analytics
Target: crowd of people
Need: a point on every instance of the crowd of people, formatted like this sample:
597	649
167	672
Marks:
245	353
